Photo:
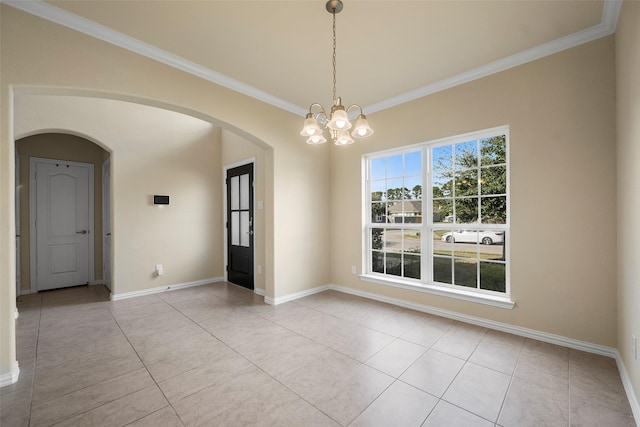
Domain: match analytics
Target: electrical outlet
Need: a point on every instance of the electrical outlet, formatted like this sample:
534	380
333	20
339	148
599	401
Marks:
353	269
634	347
159	270
259	269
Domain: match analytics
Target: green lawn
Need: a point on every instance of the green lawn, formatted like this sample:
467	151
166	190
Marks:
492	275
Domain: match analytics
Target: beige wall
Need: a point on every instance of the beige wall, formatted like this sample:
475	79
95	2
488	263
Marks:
60	147
628	127
561	113
42	60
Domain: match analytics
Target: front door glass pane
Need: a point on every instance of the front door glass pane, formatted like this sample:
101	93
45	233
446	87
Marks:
235	228
244	191
244	229
235	193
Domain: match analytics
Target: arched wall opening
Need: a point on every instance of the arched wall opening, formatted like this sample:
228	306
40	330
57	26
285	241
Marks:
57	146
154	148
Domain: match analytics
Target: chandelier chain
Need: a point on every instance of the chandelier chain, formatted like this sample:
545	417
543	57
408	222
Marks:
334	56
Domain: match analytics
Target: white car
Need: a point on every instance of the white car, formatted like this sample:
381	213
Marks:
472	236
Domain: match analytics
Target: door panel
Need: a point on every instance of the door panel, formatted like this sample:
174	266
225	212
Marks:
62	224
240	225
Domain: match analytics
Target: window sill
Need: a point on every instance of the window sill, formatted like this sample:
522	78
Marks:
495	301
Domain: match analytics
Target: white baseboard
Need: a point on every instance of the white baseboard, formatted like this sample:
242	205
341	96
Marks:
125	295
295	295
258	291
10	377
490	324
628	388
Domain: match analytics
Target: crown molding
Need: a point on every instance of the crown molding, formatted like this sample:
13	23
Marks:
607	26
54	14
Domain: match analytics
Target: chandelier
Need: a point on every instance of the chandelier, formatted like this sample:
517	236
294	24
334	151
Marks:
338	120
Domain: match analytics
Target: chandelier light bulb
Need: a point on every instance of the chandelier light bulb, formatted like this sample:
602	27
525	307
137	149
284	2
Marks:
343	138
316	139
362	129
311	126
339	119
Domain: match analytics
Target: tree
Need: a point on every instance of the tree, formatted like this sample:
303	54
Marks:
398	193
469	187
416	192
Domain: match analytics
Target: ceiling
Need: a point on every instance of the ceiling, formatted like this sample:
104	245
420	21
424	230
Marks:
388	52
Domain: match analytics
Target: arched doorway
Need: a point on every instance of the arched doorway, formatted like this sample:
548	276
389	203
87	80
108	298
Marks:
68	258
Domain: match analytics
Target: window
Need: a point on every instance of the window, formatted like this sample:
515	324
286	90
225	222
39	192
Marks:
460	243
396	214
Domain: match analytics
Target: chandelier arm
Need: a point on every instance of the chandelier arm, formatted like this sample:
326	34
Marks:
315	104
321	113
354	106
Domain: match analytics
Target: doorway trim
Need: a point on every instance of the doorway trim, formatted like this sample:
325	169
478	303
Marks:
107	259
17	221
33	244
225	219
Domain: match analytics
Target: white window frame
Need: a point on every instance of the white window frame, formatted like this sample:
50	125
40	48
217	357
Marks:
426	283
402	226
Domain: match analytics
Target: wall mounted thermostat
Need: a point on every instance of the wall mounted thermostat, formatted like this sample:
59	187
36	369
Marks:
160	200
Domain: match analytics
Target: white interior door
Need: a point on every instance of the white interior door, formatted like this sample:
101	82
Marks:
106	222
63	223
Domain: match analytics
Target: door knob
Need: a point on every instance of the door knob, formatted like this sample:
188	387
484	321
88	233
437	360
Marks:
82	232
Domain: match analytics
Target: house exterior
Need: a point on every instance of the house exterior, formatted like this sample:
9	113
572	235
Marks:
409	211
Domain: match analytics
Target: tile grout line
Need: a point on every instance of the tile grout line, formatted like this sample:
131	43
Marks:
466	361
89	386
398	378
512	376
329	348
35	363
250	361
146	368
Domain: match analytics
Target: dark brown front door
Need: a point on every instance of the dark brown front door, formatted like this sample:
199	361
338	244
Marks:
240	225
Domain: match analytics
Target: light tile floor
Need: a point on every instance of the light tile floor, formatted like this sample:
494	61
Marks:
216	355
